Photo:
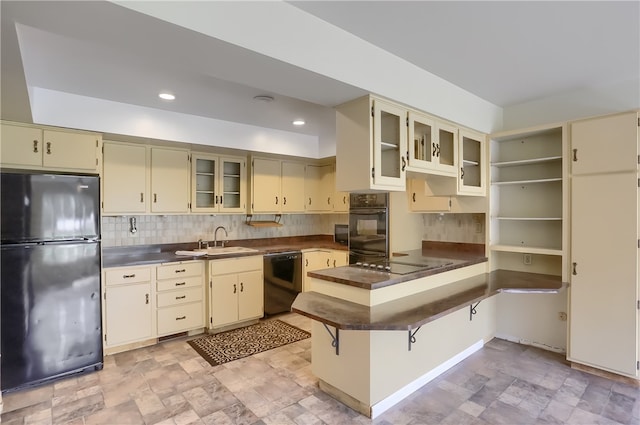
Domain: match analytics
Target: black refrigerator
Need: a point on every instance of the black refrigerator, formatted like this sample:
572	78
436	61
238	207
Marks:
50	306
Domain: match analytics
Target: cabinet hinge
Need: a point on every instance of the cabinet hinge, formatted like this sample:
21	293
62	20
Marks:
638	305
637	365
97	144
638	243
102	203
638	182
96	162
105	337
211	320
638	122
638	159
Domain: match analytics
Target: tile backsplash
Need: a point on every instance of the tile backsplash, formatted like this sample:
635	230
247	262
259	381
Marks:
160	229
465	228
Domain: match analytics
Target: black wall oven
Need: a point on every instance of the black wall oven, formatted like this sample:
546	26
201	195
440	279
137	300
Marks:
368	227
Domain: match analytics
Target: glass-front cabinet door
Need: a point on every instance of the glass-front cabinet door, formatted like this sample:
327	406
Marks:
389	145
218	184
433	146
472	180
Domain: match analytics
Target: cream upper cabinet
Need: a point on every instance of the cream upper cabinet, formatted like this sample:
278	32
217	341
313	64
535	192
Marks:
277	186
169	180
599	145
473	163
34	148
124	178
319	188
371	145
605	221
265	185
218	184
292	186
433	146
422	200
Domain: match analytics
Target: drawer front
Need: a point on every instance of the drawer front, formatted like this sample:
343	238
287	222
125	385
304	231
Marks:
179	282
187	295
128	275
180	270
180	318
235	265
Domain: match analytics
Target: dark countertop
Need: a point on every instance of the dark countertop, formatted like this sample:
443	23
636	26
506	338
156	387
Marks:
415	310
372	279
139	255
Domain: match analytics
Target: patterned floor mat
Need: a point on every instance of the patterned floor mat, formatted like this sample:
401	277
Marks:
243	342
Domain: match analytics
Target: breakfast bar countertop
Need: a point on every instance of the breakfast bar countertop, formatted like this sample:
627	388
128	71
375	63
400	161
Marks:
414	311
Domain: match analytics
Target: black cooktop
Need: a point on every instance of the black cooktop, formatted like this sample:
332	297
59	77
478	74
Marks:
405	267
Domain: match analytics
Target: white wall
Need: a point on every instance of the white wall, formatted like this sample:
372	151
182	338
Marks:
619	97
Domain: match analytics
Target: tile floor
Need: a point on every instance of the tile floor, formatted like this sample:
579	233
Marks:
504	383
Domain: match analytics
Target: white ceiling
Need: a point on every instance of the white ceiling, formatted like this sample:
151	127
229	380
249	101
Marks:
506	53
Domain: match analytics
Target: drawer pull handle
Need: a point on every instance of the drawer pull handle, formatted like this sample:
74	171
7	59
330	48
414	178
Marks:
181	283
128	276
181	318
181	271
181	298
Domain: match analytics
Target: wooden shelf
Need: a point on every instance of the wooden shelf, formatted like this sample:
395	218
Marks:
263	223
526	249
532	181
388	146
469	162
526	161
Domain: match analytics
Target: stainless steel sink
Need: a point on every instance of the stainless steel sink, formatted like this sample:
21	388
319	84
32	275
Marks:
220	250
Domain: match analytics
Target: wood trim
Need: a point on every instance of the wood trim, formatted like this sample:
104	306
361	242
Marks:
604	374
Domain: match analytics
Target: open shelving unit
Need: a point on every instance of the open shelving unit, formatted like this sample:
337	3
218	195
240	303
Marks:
529	200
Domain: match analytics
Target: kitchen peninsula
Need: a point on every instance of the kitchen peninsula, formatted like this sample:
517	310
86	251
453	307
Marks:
379	336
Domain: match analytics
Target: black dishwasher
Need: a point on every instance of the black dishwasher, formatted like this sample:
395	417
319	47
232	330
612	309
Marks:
282	281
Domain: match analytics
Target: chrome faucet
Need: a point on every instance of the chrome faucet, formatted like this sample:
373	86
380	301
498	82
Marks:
215	235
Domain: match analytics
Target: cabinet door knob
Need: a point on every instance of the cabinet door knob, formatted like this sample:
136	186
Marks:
235	288
276	200
329	201
404	163
241	286
155	198
35	146
220	199
141	197
334	263
146	298
575	155
462	173
327	262
575	269
434	150
48	148
306	262
309	201
438	150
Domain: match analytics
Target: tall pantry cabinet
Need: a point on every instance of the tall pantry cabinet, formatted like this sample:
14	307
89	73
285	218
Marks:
603	328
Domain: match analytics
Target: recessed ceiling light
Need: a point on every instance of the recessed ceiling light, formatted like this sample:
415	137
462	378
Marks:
298	122
166	96
263	98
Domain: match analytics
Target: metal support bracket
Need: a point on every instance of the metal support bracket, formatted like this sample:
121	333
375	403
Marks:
335	339
412	336
472	310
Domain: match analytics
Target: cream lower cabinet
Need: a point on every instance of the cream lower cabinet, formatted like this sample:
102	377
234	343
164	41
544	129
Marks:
34	148
321	259
180	297
236	290
128	305
604	292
